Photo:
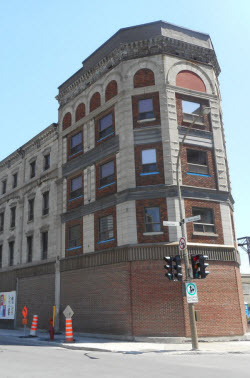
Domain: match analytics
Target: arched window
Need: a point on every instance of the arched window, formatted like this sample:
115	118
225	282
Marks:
144	78
66	121
189	80
95	101
111	90
80	111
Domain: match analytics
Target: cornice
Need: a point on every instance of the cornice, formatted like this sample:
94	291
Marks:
138	49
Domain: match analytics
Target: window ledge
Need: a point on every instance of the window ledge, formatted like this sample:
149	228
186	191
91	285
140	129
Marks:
104	186
78	152
105	241
71	249
153	233
73	199
149	173
45	215
30	220
146	120
205	234
198	174
99	140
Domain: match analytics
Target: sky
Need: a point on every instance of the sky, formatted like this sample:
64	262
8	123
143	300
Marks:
44	42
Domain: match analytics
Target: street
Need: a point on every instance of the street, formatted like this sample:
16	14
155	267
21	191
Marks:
30	359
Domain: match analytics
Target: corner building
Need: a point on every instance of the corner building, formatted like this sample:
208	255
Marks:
122	117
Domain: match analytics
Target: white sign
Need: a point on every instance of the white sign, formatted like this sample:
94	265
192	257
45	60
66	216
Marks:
182	243
169	223
7	305
68	312
191	290
192	219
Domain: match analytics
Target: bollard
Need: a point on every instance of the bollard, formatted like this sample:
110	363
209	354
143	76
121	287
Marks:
68	331
33	328
51	330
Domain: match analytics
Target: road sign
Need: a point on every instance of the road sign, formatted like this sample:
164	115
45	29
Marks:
182	243
25	312
24	321
68	312
169	223
191	291
192	219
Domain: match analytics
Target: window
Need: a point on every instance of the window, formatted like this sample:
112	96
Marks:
76	143
1	256
106	126
12	217
46	162
1	221
76	187
14	185
191	107
148	161
32	169
107	174
106	231
29	248
197	162
11	253
146	110
74	236
4	186
152	219
44	237
31	209
45	203
206	223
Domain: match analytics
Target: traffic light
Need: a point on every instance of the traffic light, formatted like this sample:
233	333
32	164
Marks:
196	266
178	268
203	266
169	267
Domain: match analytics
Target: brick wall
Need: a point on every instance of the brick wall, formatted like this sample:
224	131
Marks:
67	120
80	111
78	251
95	101
195	180
111	90
215	206
152	179
103	213
190	80
144	78
156	106
140	205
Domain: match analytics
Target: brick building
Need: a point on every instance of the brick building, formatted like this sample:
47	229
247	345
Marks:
121	118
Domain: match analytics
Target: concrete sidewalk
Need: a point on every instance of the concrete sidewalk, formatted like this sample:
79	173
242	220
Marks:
219	345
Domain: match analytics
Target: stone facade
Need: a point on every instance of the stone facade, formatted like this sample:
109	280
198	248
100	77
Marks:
123	107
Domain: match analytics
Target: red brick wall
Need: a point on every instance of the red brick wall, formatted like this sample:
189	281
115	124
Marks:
71	204
194	180
78	251
140	205
111	90
97	119
190	80
110	189
215	206
69	136
206	118
144	78
149	179
95	101
103	213
80	111
156	106
67	121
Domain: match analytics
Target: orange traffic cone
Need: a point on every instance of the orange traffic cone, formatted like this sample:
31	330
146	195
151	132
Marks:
33	328
68	331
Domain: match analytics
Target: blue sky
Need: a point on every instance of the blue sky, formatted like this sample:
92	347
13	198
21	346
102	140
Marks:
44	42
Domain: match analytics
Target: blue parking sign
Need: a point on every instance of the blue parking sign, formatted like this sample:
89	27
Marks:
246	308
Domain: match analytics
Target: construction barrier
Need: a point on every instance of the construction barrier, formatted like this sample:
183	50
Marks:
33	328
68	331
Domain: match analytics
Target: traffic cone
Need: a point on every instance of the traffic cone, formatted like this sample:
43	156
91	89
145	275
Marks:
68	331
33	328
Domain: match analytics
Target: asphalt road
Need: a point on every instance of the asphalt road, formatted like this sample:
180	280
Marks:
45	361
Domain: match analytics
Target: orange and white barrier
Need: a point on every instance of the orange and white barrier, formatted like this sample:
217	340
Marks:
68	331
33	328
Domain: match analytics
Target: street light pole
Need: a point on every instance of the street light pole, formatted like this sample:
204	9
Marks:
193	327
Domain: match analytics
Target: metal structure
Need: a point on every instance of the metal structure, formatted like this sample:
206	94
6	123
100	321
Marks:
244	243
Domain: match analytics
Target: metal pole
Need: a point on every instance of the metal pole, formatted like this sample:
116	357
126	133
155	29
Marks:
193	328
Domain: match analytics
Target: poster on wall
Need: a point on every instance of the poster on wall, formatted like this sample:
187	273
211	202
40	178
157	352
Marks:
7	305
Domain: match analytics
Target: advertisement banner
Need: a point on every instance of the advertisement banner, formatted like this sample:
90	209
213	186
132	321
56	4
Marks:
7	305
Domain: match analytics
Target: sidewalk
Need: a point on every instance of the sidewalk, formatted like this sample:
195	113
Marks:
133	347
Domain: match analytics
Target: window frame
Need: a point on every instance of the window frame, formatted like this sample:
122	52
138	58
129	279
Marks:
32	169
46	161
197	169
79	190
11	252
13	217
4	186
31	209
70	243
146	118
106	180
45	210
102	239
203	224
2	221
15	178
44	251
71	151
152	223
109	130
29	248
1	256
145	167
